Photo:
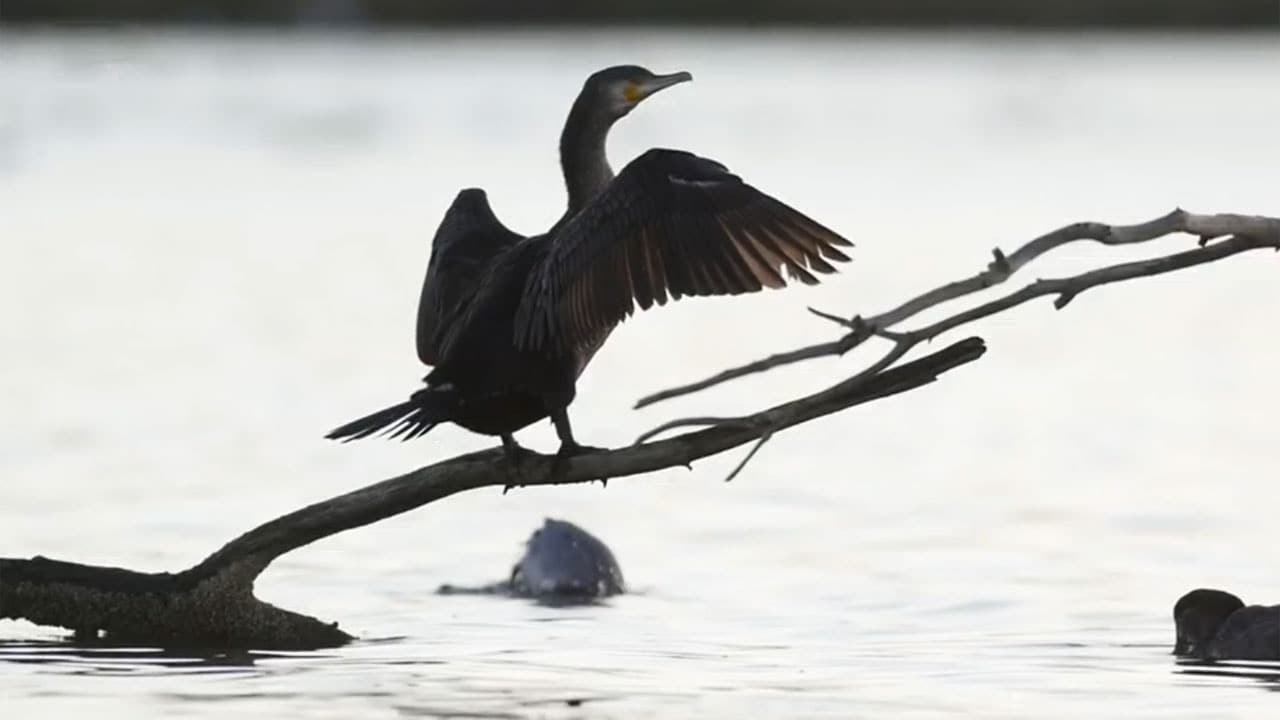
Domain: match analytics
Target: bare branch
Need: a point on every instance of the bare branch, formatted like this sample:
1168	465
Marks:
837	319
1250	232
838	347
754	449
700	421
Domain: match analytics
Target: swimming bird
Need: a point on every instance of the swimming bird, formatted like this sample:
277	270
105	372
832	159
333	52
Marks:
562	564
509	322
1216	625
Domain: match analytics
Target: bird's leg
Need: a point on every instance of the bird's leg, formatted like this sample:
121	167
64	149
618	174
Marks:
511	449
568	446
515	456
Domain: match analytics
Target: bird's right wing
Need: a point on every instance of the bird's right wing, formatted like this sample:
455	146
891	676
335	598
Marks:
670	224
467	241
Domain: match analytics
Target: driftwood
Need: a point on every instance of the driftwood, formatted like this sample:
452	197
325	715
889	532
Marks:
212	603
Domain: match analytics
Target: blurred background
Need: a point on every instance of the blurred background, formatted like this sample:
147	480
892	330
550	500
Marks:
1121	13
214	220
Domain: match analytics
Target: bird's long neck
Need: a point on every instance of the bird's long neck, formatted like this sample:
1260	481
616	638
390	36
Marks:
582	154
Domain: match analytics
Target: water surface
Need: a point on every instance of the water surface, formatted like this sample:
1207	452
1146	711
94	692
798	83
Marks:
213	246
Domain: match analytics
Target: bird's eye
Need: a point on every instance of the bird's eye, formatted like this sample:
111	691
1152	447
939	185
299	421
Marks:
631	91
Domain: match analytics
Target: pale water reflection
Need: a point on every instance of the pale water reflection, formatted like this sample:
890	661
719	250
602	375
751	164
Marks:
213	246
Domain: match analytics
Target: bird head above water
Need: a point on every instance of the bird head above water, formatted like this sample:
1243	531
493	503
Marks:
1198	615
617	90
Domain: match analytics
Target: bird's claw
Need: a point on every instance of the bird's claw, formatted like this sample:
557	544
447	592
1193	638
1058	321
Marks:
568	450
559	466
515	457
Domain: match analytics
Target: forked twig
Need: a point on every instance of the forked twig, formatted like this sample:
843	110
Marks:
1246	232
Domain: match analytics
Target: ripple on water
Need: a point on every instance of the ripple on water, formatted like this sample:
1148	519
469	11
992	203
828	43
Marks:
212	245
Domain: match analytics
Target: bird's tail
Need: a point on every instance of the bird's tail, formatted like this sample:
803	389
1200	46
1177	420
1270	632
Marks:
410	419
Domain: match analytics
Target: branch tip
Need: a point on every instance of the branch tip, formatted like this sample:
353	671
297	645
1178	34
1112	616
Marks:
834	318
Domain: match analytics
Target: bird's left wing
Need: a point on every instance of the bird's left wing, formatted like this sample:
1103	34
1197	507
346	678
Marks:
670	224
470	236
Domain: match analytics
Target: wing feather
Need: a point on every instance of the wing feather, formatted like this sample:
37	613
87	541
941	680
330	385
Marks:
467	241
638	272
720	265
657	268
787	246
671	224
757	259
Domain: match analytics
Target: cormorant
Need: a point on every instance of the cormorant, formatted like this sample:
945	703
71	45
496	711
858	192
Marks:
1217	625
509	322
562	565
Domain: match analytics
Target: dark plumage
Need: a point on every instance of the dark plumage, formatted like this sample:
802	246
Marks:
562	564
1216	625
509	322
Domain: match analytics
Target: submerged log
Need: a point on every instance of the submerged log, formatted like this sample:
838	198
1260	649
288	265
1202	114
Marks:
194	608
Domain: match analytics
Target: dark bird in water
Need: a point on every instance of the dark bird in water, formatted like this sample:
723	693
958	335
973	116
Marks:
1216	625
509	322
562	565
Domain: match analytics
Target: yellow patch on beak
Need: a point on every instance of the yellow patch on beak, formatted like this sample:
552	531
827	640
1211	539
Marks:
632	93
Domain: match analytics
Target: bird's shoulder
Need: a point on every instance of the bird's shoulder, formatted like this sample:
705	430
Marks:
679	167
470	228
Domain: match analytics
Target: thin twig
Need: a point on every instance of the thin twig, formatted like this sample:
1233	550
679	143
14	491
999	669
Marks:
1248	232
754	448
840	320
839	347
700	421
1068	288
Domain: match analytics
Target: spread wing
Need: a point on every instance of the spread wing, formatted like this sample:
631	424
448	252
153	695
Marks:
468	239
670	224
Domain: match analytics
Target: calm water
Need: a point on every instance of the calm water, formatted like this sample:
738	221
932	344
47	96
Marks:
212	250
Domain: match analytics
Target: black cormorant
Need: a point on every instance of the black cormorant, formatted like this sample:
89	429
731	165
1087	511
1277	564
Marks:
1216	625
509	322
562	564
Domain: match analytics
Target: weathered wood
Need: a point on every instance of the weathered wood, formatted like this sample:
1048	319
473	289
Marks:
189	609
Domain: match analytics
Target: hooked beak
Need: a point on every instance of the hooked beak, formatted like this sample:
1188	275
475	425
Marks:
662	82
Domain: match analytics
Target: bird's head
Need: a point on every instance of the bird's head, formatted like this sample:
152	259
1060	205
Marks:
617	90
1197	617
